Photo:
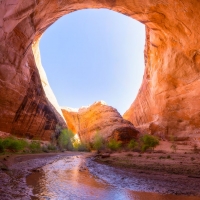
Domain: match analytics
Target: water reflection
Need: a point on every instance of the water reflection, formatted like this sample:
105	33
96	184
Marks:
69	179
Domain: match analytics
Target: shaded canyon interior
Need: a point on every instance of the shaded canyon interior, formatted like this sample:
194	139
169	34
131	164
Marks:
168	101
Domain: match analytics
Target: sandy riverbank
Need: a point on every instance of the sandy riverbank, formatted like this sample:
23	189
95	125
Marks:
159	172
187	164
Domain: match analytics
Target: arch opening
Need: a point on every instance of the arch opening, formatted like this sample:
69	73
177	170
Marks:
93	55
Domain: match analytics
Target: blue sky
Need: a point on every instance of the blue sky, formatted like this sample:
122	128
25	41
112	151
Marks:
92	55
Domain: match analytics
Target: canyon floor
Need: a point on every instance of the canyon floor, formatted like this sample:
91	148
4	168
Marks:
167	163
184	161
126	175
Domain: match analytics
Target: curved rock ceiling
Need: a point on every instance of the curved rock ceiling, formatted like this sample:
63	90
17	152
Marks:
169	98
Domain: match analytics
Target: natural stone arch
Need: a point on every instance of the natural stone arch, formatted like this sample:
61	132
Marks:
168	101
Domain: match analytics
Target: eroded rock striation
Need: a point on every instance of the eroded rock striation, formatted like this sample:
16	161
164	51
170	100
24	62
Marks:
169	98
102	119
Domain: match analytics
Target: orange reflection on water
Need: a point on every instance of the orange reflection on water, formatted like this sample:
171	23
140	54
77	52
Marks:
70	179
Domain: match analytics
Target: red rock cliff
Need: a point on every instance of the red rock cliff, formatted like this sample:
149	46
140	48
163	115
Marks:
169	97
101	118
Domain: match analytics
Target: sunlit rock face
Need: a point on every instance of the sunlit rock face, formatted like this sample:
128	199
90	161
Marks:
170	93
72	118
101	119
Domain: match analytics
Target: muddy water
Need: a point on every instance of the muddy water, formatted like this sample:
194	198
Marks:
70	179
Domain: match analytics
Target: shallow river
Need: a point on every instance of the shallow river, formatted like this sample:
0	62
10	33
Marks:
75	178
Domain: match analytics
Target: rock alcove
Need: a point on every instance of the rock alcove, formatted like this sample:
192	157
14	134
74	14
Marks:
168	100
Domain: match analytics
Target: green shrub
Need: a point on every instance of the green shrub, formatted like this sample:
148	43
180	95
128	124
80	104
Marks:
13	144
65	139
132	144
35	146
7	142
98	143
17	146
83	147
51	147
80	146
76	145
149	142
45	149
114	144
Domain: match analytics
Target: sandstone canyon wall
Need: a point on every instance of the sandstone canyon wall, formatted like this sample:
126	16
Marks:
169	98
101	119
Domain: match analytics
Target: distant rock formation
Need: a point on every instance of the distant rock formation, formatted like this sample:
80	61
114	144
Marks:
101	118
